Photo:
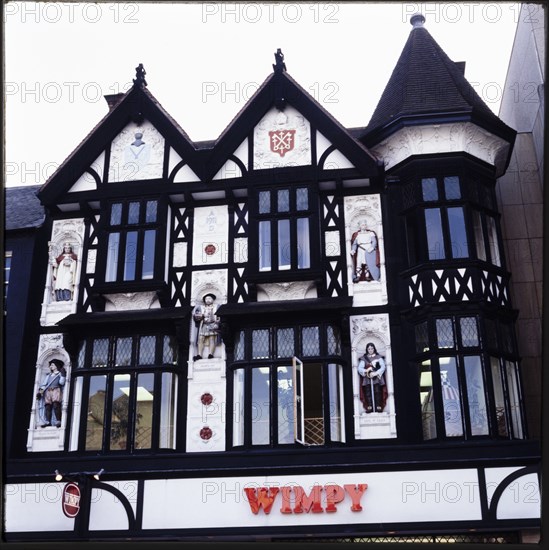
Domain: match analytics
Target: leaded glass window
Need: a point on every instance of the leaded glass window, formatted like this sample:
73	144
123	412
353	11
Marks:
132	405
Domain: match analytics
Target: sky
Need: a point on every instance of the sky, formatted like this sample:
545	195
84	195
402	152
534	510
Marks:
205	60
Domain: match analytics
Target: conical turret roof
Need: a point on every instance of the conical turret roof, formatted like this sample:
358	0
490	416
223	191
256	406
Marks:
426	86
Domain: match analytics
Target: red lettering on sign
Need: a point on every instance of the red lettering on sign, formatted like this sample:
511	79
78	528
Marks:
356	492
334	494
264	498
306	503
286	497
261	498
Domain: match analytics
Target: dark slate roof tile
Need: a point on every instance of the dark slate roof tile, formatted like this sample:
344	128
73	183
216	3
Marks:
426	81
23	209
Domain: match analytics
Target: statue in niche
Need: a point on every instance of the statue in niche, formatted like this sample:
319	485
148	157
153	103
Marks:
50	394
207	323
365	254
373	389
64	274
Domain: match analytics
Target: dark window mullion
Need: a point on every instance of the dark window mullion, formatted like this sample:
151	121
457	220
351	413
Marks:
463	396
293	242
106	446
139	253
439	402
83	425
132	412
490	396
274	244
273	390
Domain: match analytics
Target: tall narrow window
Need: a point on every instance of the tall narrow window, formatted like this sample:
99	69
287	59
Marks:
284	237
458	234
465	392
493	240
132	241
479	236
435	237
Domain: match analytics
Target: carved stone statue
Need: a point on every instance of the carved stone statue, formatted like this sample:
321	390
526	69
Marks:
207	323
64	274
50	394
365	253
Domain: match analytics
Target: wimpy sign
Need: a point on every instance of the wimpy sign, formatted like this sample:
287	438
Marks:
294	500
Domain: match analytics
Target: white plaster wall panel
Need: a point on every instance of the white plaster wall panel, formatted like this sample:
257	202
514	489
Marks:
322	144
443	138
107	511
332	247
391	497
134	157
179	254
91	261
240	250
33	507
86	182
174	158
210	235
242	153
206	423
336	161
184	173
229	170
375	329
282	138
358	209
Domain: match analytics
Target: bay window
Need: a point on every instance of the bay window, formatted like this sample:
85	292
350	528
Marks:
125	394
287	386
465	391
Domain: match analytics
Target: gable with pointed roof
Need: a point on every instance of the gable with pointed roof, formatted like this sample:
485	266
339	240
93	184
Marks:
426	86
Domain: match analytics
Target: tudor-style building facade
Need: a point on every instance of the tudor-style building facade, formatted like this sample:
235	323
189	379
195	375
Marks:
314	242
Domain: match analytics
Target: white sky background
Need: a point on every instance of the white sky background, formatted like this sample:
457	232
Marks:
205	60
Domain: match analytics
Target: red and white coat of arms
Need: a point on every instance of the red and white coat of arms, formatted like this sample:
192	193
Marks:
282	141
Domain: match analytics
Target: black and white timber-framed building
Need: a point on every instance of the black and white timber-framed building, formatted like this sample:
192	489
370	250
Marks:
314	240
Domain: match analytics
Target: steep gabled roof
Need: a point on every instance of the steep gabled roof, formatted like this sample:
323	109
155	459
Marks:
427	86
281	86
137	103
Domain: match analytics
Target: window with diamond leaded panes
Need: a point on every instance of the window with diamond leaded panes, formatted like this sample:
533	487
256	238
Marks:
279	371
284	229
465	391
125	394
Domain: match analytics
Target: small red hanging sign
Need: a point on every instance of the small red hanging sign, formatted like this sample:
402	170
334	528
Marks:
71	500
